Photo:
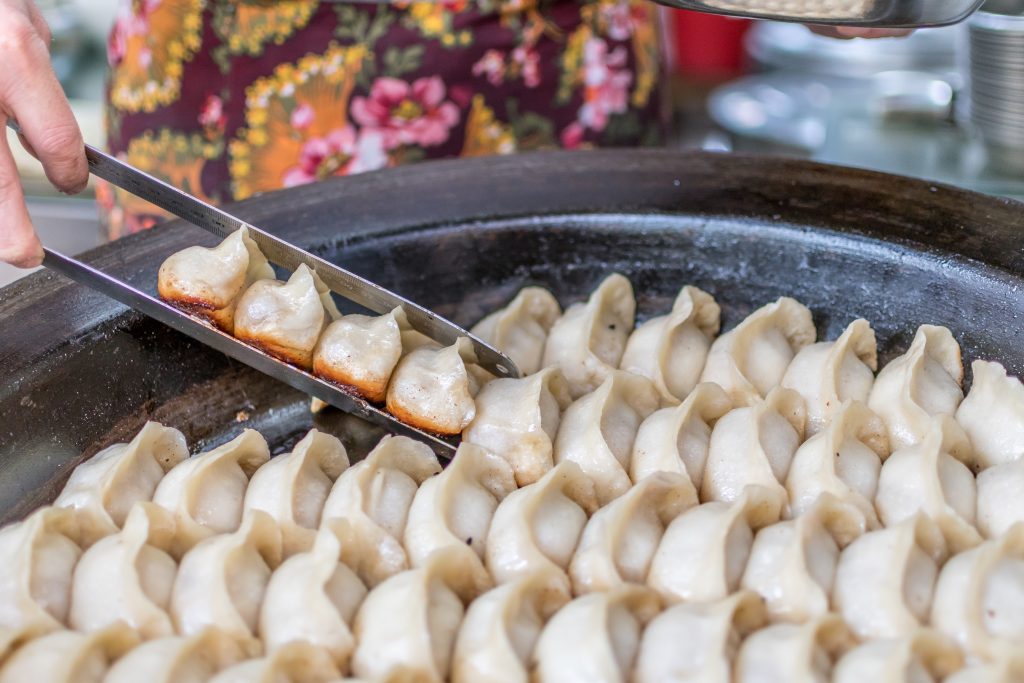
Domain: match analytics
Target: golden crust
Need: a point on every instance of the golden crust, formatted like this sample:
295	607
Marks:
372	389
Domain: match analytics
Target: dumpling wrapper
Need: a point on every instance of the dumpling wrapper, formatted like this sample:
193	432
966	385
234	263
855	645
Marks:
793	653
177	659
68	656
292	488
1000	498
209	282
1005	669
103	489
433	388
751	359
285	319
293	663
587	342
992	415
521	329
518	419
921	657
671	350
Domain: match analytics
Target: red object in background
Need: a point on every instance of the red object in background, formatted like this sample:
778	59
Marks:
707	44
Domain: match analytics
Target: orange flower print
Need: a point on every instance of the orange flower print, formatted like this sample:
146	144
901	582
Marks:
485	134
434	19
149	44
247	26
297	127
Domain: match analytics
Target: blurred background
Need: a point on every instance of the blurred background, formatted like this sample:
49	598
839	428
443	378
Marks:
944	104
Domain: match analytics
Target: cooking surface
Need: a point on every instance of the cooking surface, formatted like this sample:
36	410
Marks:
463	236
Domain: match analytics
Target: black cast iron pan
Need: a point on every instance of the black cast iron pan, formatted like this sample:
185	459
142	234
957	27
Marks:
80	372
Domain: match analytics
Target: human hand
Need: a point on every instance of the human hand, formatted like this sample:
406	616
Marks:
31	94
848	32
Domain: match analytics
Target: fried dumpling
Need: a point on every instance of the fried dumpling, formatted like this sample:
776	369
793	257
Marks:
454	510
792	564
828	374
1008	668
221	581
205	493
518	420
924	382
979	597
432	388
703	553
1000	499
843	462
369	505
293	663
68	656
292	488
923	656
885	579
598	431
750	453
926	478
128	577
103	489
501	628
587	342
595	638
408	624
520	330
993	415
40	554
312	598
670	350
285	319
177	659
751	359
676	439
793	653
209	282
538	527
620	539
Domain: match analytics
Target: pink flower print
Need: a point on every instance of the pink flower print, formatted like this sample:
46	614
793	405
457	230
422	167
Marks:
606	84
572	136
407	114
529	64
212	114
302	116
126	25
621	18
492	65
341	152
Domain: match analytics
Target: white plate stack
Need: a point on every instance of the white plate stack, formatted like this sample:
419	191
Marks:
996	53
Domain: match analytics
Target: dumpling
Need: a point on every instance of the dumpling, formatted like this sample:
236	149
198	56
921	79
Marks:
828	374
408	624
538	527
924	382
221	581
518	420
588	341
842	462
979	597
293	663
676	439
361	352
750	453
369	505
921	657
703	553
103	489
993	415
792	564
40	554
68	656
454	510
1000	499
1005	669
205	493
620	540
926	478
209	282
501	628
312	598
433	389
751	359
885	579
177	659
292	488
598	431
128	577
697	641
285	319
595	638
793	653
670	350
520	329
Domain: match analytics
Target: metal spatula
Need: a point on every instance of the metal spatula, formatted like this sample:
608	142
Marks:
866	13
